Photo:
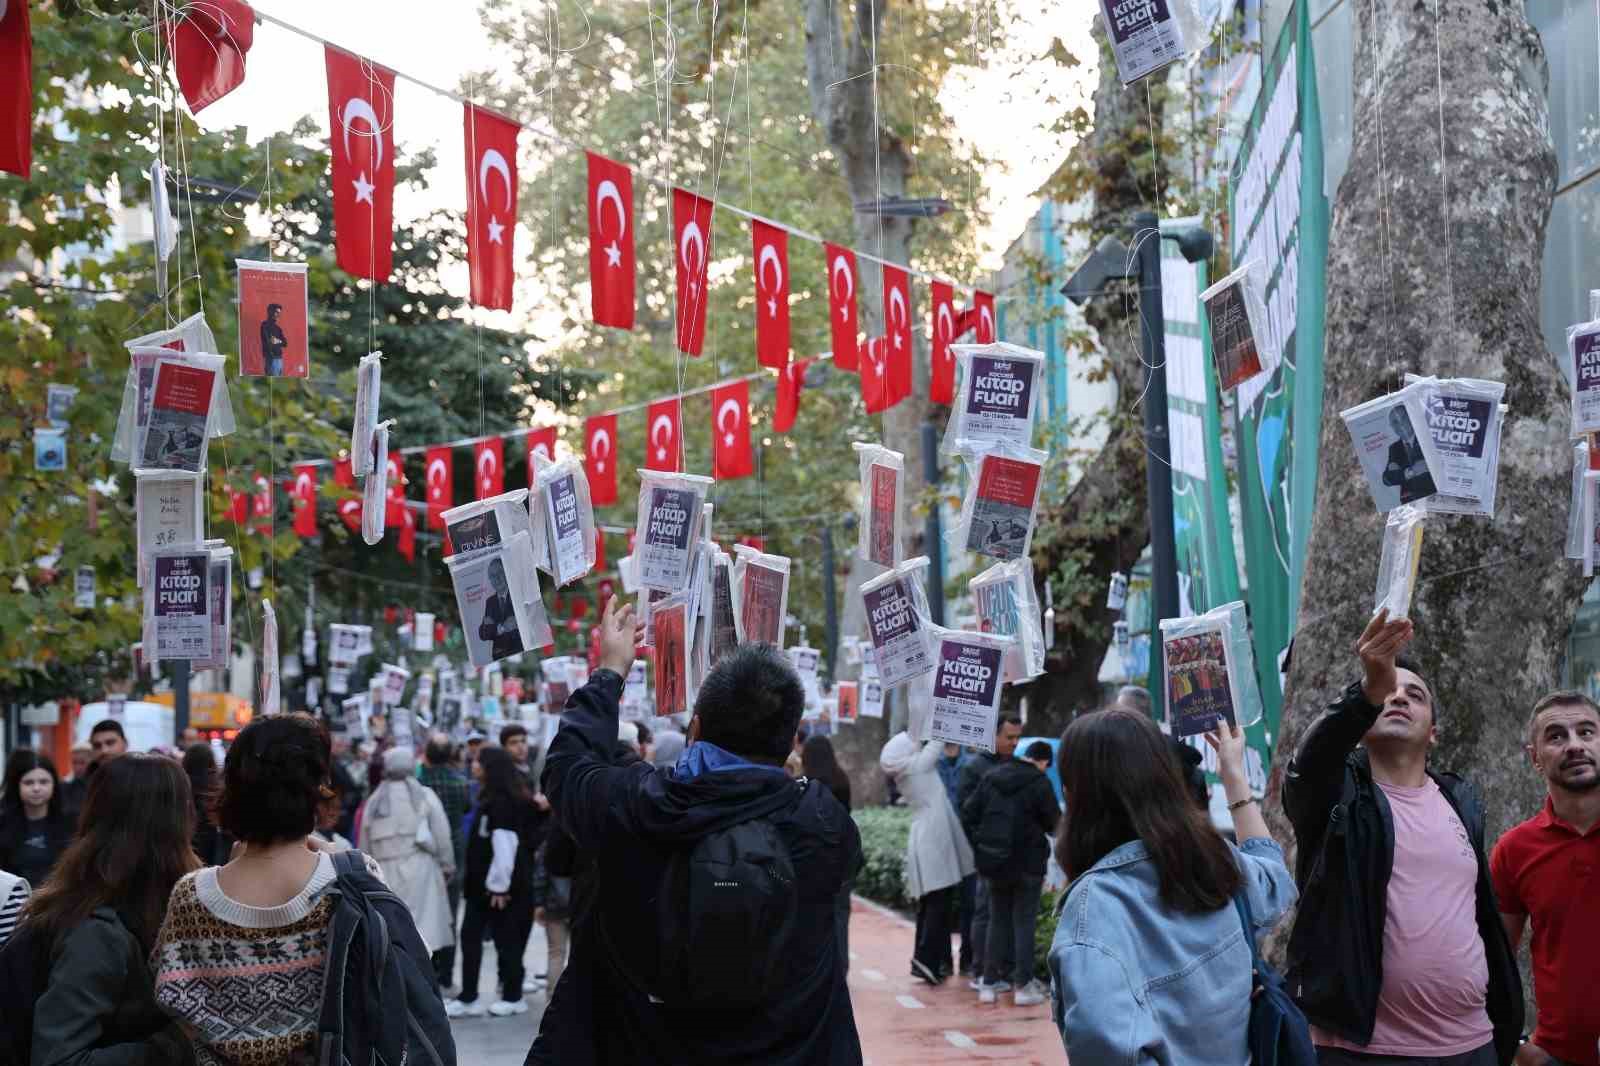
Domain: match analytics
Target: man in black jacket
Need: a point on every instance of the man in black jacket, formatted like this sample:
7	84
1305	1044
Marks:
1008	730
1397	951
638	823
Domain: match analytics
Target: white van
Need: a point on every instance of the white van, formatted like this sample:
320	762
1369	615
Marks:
148	725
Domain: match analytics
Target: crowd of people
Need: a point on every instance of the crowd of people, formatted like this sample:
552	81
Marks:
695	888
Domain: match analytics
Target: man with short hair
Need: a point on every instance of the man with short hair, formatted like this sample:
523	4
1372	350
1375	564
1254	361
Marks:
714	937
75	789
1544	870
1008	730
1397	953
451	788
107	740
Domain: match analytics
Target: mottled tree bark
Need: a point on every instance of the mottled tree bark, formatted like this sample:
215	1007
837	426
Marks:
1434	267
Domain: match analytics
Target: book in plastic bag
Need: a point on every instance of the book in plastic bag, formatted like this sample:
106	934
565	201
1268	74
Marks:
177	426
897	622
169	509
1591	510
369	381
806	662
395	679
274	320
220	590
1583	373
1397	564
567	519
271	666
671	621
967	679
484	524
1007	604
1580	466
1401	464
1209	671
177	604
1464	417
870	696
375	487
346	643
1146	35
497	594
1236	312
1002	499
883	474
761	590
670	511
997	392
724	616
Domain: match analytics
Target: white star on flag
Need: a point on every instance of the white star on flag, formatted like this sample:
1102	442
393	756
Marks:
772	308
897	340
613	255
363	188
844	313
495	230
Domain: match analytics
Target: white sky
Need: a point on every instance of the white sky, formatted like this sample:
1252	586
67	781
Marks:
999	105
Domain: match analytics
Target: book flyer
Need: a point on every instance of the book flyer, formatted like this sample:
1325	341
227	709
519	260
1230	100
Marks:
176	430
1237	317
762	583
483	524
49	450
997	397
1400	464
897	628
274	323
568	522
882	484
668	528
997	518
178	604
167	512
1145	36
1199	685
83	597
671	617
966	688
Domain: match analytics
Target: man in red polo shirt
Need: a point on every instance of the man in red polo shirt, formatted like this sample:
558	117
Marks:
1548	869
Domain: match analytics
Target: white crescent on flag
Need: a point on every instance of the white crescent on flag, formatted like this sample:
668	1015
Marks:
944	322
692	237
607	190
486	469
730	404
842	266
393	472
662	422
436	471
769	254
302	482
355	108
897	298
492	160
986	321
600	437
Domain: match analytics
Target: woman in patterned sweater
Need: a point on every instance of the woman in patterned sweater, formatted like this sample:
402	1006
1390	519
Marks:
241	956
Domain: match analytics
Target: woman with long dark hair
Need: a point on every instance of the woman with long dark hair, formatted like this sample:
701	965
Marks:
211	844
498	889
34	830
1150	959
98	917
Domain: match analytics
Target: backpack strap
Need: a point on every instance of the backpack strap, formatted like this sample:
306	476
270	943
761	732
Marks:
1241	904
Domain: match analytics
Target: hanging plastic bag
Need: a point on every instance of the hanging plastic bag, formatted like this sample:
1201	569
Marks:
1583	376
880	532
566	517
724	617
1241	339
1007	604
1591	511
1146	36
481	524
761	594
1580	466
220	590
1397	564
1464	417
177	604
1397	453
1209	671
997	392
1002	501
169	509
274	319
964	701
670	618
375	487
173	427
669	516
369	380
897	615
497	595
271	699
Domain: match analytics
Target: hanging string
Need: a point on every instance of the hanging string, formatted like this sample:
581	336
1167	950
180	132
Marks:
1444	170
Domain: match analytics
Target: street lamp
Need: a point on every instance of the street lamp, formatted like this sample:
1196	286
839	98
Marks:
1111	260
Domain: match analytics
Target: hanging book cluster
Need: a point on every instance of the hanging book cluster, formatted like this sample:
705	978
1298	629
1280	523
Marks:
1210	671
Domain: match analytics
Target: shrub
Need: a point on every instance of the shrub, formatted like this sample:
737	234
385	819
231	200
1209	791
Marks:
884	833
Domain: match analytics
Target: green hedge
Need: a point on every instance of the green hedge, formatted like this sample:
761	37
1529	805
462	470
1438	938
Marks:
884	833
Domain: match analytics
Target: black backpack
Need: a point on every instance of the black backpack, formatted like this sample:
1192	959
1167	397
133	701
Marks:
24	972
995	842
726	909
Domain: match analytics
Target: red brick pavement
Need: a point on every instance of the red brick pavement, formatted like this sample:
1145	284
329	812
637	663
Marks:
904	1021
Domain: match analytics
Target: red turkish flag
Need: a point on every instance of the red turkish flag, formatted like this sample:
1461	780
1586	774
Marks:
489	460
875	377
408	534
983	307
600	458
394	489
791	379
305	500
897	324
540	442
942	385
261	506
730	431
599	549
772	294
16	88
691	231
349	508
663	421
209	44
238	507
758	543
842	316
491	206
361	118
439	490
611	263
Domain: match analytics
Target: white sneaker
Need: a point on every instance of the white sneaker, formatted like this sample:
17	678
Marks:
1029	995
986	993
456	1009
505	1008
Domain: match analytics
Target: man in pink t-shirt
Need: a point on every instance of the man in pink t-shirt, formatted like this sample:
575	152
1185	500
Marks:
1397	953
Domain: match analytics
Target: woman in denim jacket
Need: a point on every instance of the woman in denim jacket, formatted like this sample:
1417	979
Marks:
1149	958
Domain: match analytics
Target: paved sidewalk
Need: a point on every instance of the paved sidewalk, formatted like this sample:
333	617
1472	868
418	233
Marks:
905	1021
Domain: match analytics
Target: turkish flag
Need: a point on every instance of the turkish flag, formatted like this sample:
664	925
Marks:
842	305
540	442
691	230
238	507
791	379
983	306
349	508
305	500
489	460
611	264
758	543
394	489
16	88
209	44
600	458
730	431
875	377
491	206
408	534
599	549
772	294
663	448
261	505
361	118
942	385
439	485
897	311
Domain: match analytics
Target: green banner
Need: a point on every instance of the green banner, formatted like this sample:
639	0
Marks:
1280	220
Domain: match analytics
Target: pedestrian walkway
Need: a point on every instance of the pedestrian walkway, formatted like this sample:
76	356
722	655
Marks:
904	1022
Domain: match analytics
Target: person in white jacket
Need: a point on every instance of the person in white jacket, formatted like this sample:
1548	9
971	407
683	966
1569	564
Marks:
403	826
938	856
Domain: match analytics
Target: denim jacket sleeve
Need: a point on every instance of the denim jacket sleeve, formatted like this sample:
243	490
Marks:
1268	885
1101	1018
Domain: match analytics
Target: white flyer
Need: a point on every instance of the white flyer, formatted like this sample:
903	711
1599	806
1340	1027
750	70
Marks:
966	687
806	663
1145	36
394	684
221	592
369	377
177	604
338	680
668	528
167	512
1401	465
1464	418
1007	604
996	395
497	594
897	622
568	520
871	696
1397	563
482	524
83	588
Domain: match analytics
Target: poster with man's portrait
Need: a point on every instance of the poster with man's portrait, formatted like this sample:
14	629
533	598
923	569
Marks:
274	324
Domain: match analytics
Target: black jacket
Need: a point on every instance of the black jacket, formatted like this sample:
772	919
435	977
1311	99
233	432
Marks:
493	814
972	771
631	819
30	849
1345	831
1013	813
